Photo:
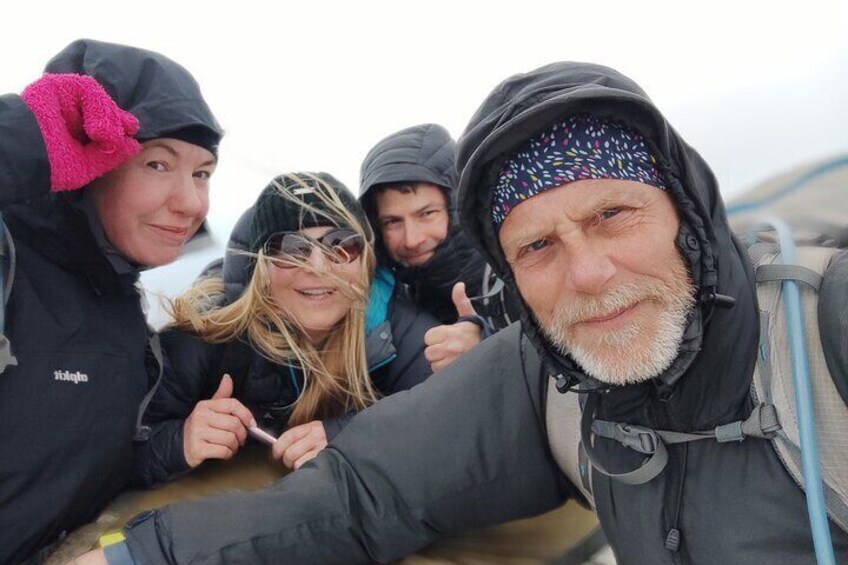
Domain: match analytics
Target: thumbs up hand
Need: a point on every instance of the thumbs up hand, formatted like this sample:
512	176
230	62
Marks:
217	427
445	343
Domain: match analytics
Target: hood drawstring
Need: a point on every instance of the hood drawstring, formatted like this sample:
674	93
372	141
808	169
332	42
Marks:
673	539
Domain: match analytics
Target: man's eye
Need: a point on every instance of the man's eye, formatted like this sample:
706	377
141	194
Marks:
534	247
538	244
387	223
203	175
607	214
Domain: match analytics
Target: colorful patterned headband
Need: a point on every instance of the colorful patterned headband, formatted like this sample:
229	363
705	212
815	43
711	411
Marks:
579	148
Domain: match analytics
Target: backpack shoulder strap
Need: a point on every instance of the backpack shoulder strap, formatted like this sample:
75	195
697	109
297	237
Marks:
562	421
7	276
773	381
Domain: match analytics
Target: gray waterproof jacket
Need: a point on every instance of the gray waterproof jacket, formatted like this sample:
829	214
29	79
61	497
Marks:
470	447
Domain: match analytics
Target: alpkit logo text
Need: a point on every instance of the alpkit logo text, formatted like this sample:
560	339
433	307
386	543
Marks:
75	377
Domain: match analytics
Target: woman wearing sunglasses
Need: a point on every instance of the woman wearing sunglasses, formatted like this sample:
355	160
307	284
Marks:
294	329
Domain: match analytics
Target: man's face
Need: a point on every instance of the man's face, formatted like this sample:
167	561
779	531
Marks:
151	205
413	223
597	264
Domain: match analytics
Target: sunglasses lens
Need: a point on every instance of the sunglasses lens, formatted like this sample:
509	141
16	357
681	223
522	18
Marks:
345	244
289	246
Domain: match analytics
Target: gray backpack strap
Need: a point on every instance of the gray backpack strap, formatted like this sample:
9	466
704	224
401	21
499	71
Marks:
773	382
7	276
769	273
142	431
644	440
562	417
761	423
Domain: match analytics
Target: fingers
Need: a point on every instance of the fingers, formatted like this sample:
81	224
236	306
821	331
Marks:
444	344
225	387
130	123
203	440
233	407
103	120
287	439
305	458
437	335
300	444
216	428
461	301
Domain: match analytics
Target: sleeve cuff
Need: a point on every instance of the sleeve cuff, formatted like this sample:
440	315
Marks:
118	554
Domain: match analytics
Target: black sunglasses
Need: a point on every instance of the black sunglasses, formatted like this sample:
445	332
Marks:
342	245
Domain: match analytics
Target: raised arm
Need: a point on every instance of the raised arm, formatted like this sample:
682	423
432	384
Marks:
61	133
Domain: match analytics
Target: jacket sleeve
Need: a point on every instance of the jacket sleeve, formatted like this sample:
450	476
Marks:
24	168
464	450
189	375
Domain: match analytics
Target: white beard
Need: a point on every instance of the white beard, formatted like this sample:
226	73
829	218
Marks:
614	357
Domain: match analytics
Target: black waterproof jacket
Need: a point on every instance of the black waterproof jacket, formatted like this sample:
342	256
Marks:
73	314
394	347
469	447
426	153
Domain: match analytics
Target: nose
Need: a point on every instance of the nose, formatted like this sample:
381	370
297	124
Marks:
413	235
588	269
317	260
188	199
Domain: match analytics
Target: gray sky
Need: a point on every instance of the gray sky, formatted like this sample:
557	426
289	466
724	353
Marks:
755	87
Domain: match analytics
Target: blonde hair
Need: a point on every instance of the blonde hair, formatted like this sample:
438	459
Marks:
335	371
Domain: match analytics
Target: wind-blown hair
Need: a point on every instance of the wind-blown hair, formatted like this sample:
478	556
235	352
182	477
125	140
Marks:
335	370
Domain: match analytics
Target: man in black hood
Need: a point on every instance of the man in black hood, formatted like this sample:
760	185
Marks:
639	314
407	187
104	171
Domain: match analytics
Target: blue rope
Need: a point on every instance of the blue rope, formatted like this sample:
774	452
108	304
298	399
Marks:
816	507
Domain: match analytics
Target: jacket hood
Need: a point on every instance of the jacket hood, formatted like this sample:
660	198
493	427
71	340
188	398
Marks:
161	94
422	153
717	348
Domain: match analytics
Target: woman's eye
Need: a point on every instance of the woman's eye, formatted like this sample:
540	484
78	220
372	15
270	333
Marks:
157	166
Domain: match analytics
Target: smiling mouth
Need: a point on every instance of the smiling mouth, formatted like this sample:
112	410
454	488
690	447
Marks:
419	257
610	317
176	234
317	292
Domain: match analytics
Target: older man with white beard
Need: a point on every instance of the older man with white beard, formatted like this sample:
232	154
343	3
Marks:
638	314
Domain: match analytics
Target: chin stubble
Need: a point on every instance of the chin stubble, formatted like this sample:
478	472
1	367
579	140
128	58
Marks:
618	357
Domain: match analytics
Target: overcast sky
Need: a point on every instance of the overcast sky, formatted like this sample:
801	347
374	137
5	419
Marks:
755	86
